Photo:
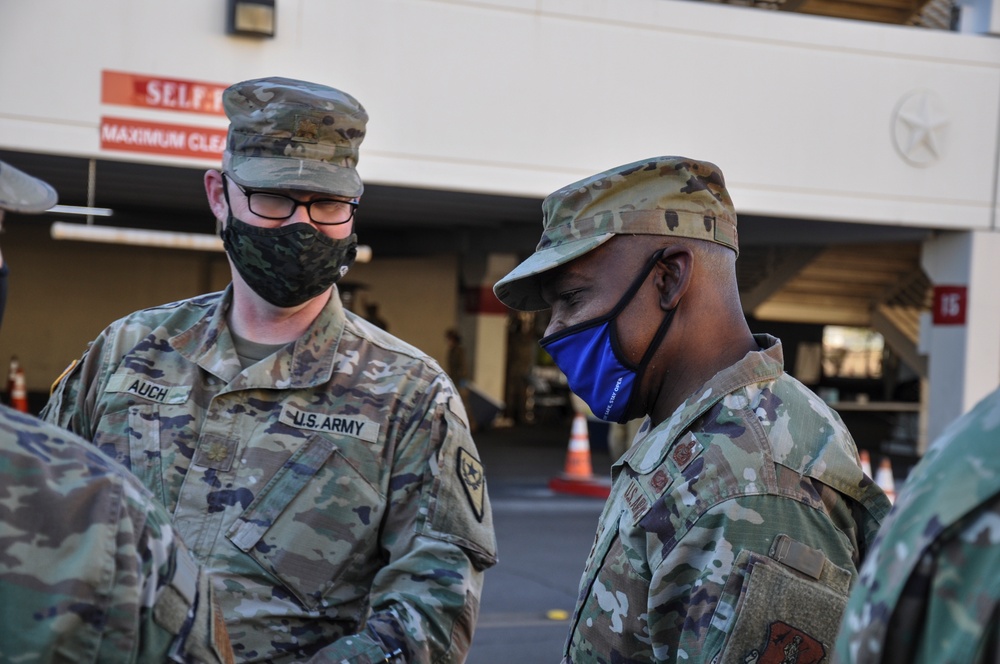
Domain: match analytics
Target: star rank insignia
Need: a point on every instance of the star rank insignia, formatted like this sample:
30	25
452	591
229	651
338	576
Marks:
470	472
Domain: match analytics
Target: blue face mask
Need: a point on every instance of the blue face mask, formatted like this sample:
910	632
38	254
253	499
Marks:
590	356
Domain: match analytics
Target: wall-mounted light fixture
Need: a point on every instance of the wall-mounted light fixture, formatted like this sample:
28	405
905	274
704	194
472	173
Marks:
62	230
142	237
254	18
81	209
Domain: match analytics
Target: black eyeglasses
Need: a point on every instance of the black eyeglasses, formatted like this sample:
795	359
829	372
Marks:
324	211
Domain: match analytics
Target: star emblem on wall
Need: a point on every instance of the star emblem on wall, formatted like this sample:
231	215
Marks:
920	126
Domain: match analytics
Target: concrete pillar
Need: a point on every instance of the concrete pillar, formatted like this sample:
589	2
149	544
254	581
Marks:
486	320
963	339
979	16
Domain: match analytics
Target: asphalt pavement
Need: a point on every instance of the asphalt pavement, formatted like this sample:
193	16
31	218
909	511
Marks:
543	538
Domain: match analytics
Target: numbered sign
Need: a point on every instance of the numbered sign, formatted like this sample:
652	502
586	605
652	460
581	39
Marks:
950	305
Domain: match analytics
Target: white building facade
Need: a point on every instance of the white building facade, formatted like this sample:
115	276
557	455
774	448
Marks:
842	132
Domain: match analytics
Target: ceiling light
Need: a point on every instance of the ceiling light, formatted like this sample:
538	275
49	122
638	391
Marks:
62	230
80	209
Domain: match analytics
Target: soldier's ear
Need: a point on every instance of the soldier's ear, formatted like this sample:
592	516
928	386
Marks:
214	184
672	275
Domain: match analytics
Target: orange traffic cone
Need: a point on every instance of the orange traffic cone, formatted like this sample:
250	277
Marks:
866	463
19	392
578	464
11	373
885	480
578	477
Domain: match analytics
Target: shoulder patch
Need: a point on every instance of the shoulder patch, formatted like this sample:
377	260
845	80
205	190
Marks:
67	371
470	473
784	643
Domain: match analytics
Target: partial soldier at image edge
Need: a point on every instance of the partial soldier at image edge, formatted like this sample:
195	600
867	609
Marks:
929	591
91	569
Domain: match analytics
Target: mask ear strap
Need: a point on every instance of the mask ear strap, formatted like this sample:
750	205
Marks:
655	343
637	284
611	315
624	302
225	191
647	356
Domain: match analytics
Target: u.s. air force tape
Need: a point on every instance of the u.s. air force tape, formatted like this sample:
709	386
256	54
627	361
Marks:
356	426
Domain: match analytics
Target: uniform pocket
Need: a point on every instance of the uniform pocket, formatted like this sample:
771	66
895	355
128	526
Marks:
144	449
132	438
314	525
782	614
112	437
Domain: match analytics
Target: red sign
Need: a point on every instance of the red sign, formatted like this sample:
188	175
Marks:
161	93
950	303
160	138
481	300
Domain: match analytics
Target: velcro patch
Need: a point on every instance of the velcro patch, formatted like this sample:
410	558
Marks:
346	425
784	616
798	556
67	371
216	452
470	472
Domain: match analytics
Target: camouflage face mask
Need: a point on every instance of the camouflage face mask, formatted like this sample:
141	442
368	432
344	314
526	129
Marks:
290	264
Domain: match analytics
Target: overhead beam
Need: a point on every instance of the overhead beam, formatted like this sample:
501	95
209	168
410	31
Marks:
792	262
900	342
813	314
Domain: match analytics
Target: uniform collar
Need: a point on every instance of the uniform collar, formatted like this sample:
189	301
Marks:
763	365
306	362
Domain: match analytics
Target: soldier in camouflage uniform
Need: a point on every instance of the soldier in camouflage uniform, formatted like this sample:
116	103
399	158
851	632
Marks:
738	519
321	469
929	592
91	569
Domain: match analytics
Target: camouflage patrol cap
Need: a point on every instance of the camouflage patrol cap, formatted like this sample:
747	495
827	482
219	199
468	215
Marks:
20	192
289	134
672	196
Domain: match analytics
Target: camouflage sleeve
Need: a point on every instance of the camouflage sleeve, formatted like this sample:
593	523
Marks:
62	408
946	609
438	538
179	619
752	572
91	566
76	392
